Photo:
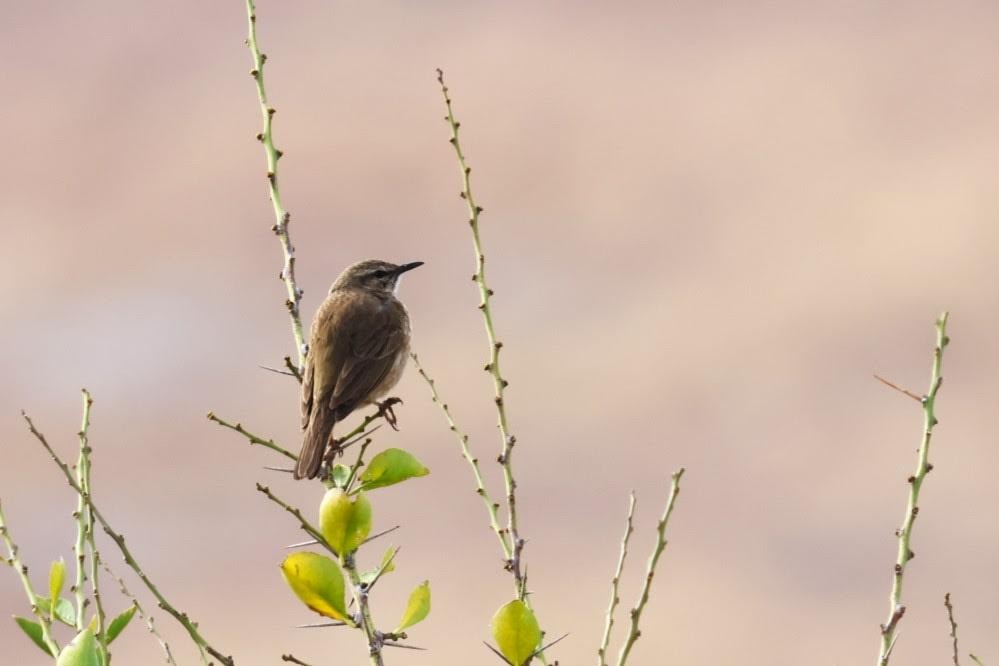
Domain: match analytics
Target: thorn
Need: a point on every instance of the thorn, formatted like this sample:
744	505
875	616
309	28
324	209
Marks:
901	390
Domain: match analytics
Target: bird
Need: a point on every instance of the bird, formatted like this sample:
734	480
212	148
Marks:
358	347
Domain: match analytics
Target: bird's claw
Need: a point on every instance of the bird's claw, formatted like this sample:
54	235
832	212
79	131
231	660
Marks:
385	411
333	449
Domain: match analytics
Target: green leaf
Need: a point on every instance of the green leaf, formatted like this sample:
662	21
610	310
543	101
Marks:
65	612
516	632
119	623
389	467
82	651
418	607
340	475
318	582
388	562
34	632
57	578
345	523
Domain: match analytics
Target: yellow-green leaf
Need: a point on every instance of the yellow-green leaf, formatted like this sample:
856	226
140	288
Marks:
119	623
417	608
82	651
389	467
344	521
318	582
387	565
516	632
57	578
340	474
34	632
65	612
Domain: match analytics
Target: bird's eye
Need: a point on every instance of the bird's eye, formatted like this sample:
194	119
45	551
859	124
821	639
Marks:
380	273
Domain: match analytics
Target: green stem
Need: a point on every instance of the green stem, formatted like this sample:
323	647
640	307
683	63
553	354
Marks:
889	630
22	571
281	216
253	439
375	639
357	464
615	599
83	479
636	612
189	625
307	527
514	561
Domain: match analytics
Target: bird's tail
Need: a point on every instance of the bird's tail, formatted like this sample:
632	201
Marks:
317	434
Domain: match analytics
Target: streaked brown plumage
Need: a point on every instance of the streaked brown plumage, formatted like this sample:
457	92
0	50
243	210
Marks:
357	351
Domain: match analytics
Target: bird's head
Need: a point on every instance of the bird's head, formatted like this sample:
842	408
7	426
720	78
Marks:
373	275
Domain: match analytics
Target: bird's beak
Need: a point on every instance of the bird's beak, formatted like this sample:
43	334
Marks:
408	267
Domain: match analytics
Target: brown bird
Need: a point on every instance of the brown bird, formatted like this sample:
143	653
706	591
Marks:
357	351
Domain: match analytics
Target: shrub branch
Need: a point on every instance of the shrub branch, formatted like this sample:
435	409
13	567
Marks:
14	560
480	486
493	366
636	612
889	630
181	617
281	216
85	520
615	599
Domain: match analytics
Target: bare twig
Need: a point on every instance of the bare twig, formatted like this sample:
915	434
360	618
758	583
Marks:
636	612
976	659
281	216
953	627
293	369
923	467
189	625
615	599
253	439
148	619
306	526
480	486
291	658
357	464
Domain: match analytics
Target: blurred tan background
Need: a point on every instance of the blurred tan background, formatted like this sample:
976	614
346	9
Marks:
707	223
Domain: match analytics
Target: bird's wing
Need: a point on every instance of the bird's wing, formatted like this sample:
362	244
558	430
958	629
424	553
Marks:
307	377
373	339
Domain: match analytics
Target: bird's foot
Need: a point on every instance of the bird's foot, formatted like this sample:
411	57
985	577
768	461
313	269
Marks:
334	448
386	412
